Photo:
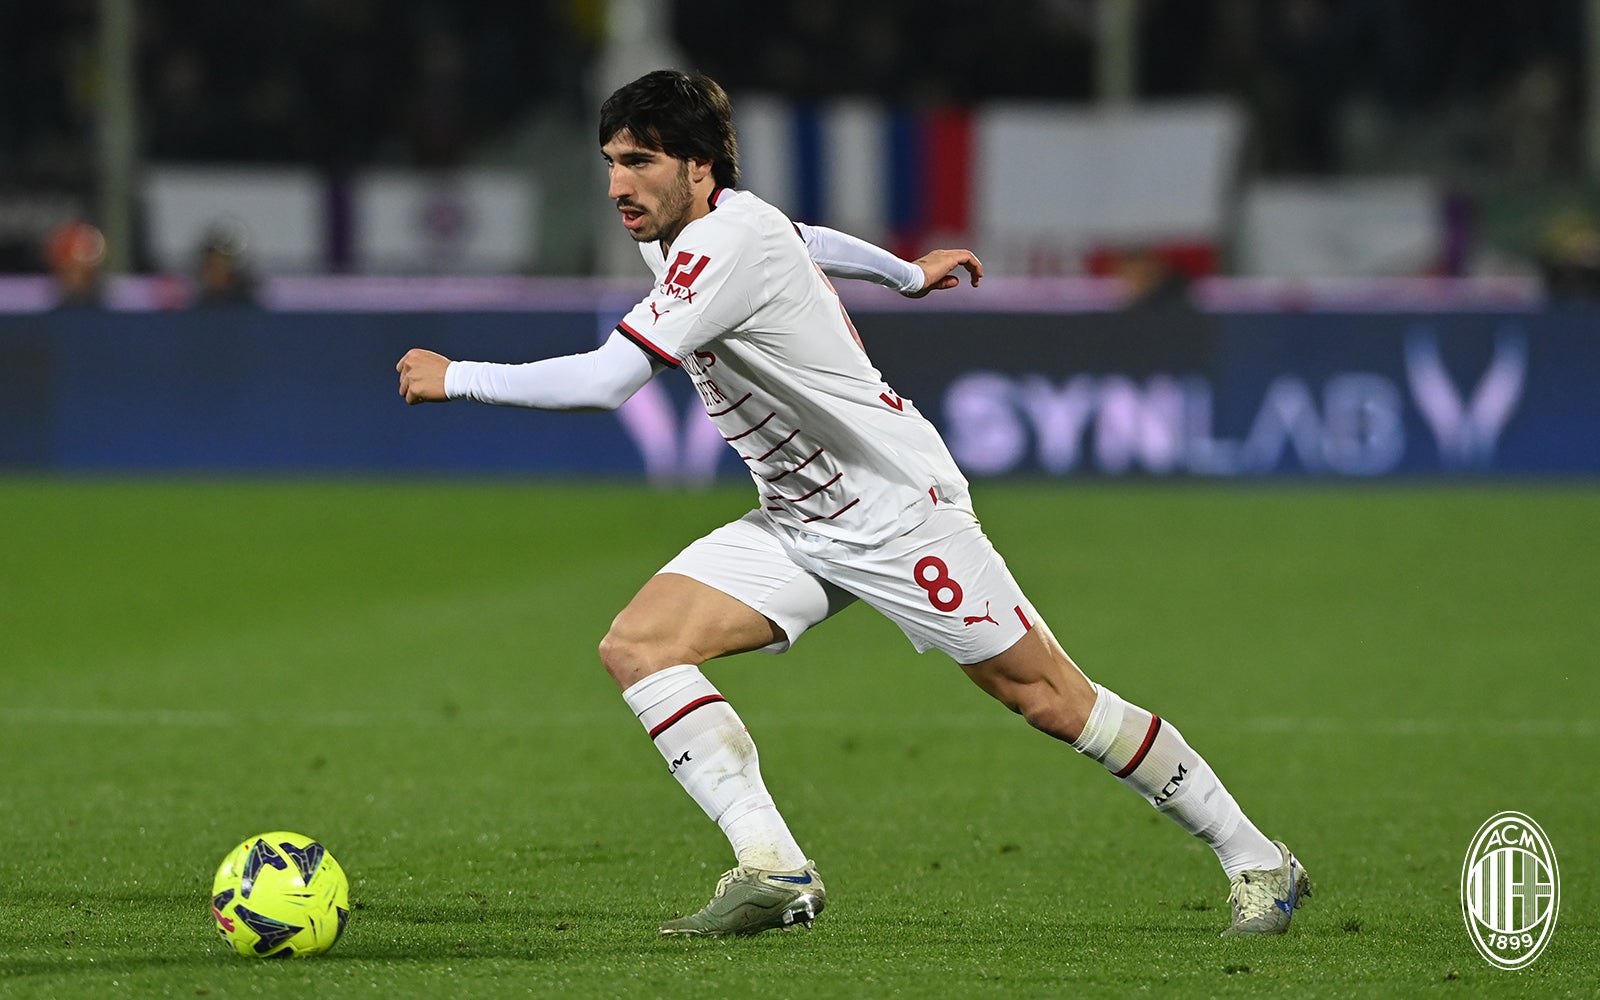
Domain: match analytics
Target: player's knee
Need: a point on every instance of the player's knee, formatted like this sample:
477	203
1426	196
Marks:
619	655
629	656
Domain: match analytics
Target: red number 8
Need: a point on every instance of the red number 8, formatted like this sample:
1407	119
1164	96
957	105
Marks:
938	583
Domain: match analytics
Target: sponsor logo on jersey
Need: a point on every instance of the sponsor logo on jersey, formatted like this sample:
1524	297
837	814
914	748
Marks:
681	275
970	620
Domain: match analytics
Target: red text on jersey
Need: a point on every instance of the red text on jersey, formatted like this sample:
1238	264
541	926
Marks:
710	393
681	275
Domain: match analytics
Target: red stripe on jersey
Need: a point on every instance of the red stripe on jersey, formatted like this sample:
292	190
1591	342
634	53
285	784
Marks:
737	403
835	514
948	180
763	457
809	459
1027	626
666	358
819	489
1144	748
673	720
752	430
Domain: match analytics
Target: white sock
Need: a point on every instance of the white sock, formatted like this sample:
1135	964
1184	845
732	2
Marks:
711	754
1150	756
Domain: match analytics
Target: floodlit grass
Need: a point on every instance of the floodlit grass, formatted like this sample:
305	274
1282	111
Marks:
408	673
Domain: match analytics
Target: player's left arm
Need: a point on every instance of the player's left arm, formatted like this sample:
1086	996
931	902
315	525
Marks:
841	255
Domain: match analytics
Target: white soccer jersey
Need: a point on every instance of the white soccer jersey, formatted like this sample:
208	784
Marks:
832	449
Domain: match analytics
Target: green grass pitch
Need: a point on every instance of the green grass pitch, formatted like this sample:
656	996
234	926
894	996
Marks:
408	672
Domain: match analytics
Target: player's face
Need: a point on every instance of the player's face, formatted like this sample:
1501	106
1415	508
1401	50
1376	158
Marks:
651	189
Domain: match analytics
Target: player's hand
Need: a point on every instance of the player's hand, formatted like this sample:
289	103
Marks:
939	270
422	376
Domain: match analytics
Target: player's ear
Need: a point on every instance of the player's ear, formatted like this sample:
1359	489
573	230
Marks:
699	170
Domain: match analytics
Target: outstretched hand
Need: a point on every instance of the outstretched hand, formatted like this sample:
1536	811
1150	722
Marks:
422	376
939	270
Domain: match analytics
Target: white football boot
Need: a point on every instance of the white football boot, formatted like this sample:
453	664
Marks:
1264	901
751	900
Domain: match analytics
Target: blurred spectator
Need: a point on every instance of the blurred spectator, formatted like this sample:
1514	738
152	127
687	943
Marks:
1569	257
1152	281
222	273
75	254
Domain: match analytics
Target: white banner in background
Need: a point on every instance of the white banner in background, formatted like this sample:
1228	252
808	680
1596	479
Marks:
281	212
1341	227
1055	181
461	222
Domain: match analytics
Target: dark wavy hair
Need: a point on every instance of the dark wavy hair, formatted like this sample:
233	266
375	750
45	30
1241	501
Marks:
685	115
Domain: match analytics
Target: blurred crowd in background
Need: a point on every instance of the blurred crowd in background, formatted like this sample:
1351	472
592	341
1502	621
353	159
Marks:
334	84
1331	85
1485	95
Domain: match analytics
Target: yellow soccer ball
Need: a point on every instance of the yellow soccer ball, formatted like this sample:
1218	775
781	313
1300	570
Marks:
280	895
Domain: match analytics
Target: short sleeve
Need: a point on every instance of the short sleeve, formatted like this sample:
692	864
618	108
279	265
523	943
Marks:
706	290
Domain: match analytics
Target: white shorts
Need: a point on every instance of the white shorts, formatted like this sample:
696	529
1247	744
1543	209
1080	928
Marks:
942	582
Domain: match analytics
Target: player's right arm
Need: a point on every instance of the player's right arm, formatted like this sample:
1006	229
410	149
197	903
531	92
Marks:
602	379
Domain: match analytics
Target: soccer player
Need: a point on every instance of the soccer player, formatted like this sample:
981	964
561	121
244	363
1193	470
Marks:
858	499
